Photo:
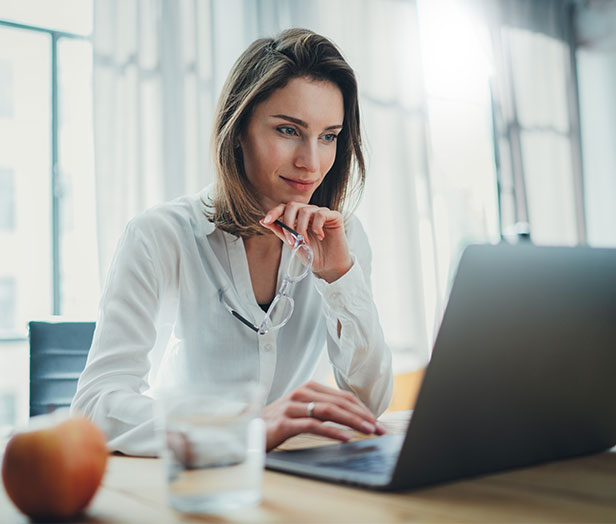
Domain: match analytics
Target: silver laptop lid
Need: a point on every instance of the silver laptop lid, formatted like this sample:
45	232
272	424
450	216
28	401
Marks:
524	366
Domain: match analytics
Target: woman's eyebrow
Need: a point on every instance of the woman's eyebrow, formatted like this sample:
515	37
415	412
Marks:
304	124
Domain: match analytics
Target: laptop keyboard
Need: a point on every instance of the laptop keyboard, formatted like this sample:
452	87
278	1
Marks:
369	462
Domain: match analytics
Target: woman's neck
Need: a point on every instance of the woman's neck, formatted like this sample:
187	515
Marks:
263	255
263	245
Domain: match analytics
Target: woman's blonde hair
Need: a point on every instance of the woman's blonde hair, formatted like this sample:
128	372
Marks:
267	65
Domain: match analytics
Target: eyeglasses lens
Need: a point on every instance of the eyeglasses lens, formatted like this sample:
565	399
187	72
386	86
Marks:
281	311
300	262
278	315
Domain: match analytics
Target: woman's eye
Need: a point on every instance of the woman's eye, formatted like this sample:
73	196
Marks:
330	137
286	130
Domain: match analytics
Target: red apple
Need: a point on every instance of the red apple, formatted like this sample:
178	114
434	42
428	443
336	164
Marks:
53	473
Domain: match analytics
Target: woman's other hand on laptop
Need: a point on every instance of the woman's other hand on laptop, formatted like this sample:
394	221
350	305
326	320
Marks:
306	408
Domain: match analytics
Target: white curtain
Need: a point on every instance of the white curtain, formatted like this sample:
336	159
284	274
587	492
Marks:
596	64
158	67
380	39
435	179
536	117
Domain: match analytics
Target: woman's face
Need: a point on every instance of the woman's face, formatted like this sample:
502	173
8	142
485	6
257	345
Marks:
289	144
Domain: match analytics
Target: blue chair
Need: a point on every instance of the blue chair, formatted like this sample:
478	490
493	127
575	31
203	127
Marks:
58	354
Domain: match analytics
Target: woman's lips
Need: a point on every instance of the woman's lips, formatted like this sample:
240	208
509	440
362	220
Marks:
298	184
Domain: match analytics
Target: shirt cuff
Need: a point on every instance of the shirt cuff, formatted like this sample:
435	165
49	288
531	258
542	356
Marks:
340	293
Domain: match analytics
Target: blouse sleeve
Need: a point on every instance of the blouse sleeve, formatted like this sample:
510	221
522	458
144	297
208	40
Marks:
360	357
111	388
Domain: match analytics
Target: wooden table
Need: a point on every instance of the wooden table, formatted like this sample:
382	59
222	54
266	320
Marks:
578	490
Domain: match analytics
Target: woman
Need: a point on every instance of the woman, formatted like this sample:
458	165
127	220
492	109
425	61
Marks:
200	287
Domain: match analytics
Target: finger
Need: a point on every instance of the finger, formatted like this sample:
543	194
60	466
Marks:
327	411
276	229
288	427
354	407
290	214
303	219
313	392
270	218
346	395
316	427
273	214
317	225
304	216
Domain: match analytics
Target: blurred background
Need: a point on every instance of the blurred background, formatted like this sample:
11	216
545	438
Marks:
483	120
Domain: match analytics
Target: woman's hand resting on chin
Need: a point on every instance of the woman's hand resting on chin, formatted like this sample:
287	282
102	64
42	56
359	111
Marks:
323	230
306	408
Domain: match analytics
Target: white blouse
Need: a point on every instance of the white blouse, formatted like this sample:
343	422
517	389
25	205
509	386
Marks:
160	322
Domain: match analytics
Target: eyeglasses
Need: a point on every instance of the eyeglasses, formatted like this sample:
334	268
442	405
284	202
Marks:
280	310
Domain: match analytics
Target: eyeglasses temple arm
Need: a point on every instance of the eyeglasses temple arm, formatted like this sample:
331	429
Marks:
235	313
244	321
284	226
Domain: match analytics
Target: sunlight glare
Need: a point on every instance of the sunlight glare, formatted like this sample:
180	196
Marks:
454	50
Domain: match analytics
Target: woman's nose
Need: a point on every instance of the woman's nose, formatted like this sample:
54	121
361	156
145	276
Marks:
307	156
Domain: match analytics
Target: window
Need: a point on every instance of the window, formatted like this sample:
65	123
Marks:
6	89
457	69
546	142
69	16
49	263
7	303
7	200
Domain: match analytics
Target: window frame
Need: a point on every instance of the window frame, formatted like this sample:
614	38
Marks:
55	36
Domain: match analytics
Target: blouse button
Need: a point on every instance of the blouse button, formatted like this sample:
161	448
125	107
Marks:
268	347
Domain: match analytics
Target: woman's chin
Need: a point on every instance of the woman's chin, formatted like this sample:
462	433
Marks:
269	203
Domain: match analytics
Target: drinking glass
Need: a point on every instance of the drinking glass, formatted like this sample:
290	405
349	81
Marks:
214	445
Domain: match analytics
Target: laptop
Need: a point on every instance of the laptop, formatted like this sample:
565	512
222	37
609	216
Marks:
523	371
